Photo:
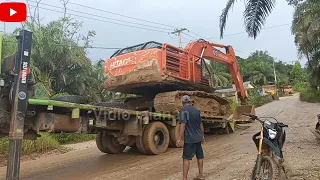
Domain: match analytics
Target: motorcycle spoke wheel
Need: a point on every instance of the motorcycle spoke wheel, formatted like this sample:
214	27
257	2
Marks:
266	170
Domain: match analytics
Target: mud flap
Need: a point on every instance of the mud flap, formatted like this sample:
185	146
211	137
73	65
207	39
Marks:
239	118
134	126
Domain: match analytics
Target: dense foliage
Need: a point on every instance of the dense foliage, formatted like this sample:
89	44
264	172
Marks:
59	60
305	28
259	68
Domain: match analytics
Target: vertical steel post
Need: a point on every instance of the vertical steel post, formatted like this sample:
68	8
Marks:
0	51
19	106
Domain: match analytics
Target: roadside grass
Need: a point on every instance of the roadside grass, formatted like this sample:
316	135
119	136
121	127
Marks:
312	96
41	144
65	138
46	142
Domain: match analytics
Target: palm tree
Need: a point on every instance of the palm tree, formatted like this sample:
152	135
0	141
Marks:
255	14
219	74
305	28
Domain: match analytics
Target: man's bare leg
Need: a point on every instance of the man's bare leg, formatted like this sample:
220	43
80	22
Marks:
186	164
200	167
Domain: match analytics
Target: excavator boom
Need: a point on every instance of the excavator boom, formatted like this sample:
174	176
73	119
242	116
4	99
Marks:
210	52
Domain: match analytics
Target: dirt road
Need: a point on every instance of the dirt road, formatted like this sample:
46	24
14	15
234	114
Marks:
227	157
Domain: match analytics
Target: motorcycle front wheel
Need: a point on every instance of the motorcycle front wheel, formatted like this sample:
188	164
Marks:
268	170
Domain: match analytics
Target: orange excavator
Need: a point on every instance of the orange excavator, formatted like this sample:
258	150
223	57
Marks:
160	74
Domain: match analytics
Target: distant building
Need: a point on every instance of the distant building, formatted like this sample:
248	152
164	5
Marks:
231	92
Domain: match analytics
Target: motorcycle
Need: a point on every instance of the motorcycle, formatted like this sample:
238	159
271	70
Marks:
316	131
269	142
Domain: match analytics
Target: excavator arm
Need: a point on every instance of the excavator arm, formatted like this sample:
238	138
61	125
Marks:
209	51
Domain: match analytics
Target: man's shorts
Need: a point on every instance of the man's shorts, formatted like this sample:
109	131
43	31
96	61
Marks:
191	149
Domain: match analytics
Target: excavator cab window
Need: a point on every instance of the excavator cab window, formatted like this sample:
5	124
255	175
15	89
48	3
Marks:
147	45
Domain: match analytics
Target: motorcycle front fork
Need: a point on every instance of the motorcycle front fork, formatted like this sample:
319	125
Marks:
259	157
258	165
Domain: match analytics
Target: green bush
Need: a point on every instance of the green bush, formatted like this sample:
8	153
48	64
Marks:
260	100
64	138
312	96
257	100
301	87
41	144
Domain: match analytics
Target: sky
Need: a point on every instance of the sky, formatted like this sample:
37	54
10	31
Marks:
199	17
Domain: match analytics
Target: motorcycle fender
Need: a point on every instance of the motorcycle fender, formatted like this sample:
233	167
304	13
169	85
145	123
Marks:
318	116
274	148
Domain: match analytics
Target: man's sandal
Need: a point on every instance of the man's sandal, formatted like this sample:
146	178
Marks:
199	178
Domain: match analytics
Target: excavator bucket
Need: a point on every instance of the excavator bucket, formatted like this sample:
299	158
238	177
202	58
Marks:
239	118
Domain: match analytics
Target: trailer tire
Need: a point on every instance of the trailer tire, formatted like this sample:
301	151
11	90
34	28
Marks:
72	99
174	135
107	143
156	138
139	143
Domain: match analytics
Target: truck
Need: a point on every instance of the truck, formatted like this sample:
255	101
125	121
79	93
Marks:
158	74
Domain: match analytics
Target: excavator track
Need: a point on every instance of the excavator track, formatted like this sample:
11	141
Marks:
209	104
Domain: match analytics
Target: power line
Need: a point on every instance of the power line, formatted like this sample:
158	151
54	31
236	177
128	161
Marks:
198	35
244	32
190	36
104	17
186	38
119	14
130	17
99	19
89	47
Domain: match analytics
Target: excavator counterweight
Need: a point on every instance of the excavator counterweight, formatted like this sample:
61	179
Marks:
161	73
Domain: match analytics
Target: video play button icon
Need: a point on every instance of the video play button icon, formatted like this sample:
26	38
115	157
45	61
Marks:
12	12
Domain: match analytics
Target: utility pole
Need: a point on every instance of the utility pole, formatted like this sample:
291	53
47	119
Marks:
274	73
179	31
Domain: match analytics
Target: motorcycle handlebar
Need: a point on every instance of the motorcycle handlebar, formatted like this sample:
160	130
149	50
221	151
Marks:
254	117
283	125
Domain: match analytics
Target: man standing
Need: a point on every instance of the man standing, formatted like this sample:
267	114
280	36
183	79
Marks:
191	128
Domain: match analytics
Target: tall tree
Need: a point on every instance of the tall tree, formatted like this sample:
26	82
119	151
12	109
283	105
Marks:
258	68
305	27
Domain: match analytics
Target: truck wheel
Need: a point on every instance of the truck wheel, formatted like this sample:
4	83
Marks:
156	138
72	99
108	144
139	143
174	135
